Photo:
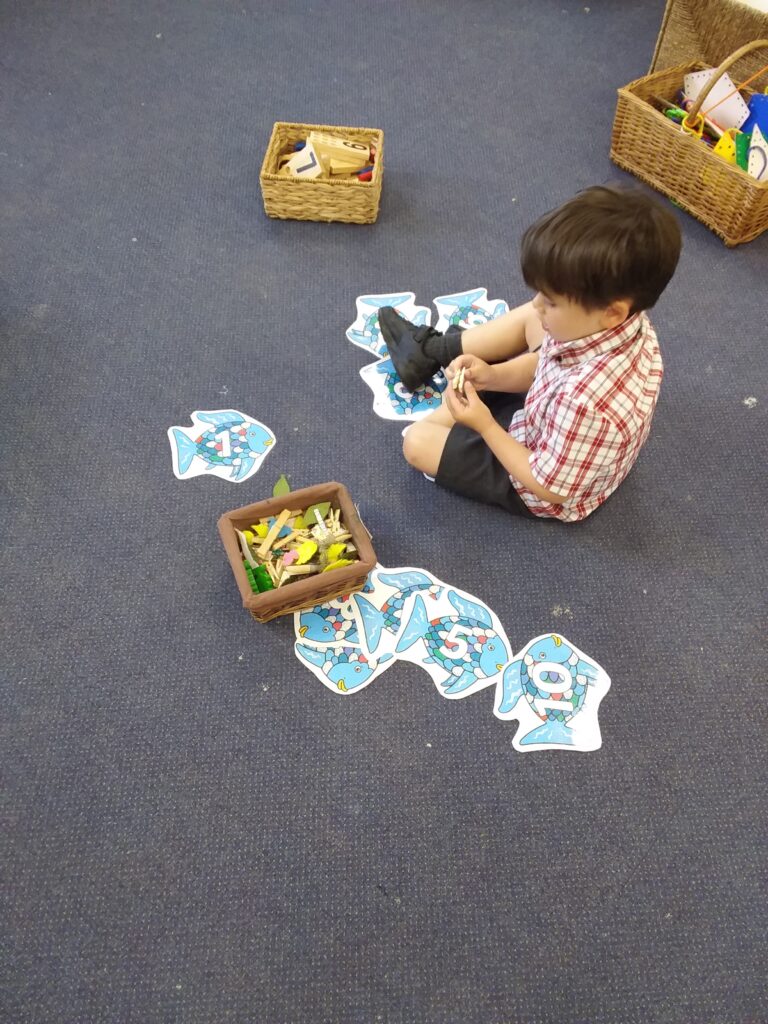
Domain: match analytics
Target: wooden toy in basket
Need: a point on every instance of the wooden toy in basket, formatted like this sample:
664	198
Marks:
352	200
723	196
291	589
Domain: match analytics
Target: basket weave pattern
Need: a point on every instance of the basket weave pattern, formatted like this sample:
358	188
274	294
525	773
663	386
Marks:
341	199
650	146
708	30
310	590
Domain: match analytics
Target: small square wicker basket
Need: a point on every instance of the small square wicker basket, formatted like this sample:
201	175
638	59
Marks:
340	199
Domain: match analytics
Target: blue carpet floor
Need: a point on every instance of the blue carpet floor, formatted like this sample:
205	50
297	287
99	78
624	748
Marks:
196	831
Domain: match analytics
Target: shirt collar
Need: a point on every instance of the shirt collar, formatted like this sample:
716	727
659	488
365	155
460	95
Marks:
570	352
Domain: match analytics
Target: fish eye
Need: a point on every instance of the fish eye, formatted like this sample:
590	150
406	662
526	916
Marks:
542	655
357	669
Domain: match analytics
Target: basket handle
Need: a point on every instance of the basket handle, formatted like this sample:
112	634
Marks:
746	48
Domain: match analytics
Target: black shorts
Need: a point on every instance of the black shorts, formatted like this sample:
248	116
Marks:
469	467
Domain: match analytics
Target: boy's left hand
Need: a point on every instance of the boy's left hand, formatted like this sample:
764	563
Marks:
468	409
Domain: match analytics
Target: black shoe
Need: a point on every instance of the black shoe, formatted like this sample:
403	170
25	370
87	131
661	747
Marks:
404	343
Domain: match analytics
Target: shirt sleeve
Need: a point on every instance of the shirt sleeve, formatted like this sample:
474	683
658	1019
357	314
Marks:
577	445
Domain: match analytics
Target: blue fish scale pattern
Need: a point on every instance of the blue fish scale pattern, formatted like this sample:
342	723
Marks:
340	627
428	396
442	635
572	690
470	315
209	446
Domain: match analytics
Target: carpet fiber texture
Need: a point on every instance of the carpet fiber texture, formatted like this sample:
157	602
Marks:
196	830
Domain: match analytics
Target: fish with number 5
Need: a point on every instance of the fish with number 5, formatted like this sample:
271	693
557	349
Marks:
461	643
223	442
554	690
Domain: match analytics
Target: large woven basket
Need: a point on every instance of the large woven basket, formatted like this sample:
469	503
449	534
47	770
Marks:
341	199
708	30
646	143
311	590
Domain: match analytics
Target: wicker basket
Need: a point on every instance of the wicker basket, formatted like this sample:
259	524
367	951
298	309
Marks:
311	590
341	199
708	30
653	148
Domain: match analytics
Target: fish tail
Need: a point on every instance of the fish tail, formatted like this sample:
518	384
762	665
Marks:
186	450
549	733
415	627
373	621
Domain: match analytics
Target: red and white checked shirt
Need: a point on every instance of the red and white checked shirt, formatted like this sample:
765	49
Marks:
587	415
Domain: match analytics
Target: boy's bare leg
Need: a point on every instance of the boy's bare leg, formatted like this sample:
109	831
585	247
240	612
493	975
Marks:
508	335
424	442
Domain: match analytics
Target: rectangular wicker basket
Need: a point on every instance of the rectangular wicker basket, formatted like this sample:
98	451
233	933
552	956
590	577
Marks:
311	590
340	199
653	148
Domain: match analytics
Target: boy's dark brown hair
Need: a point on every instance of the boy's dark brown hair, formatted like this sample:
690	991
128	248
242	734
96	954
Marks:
602	245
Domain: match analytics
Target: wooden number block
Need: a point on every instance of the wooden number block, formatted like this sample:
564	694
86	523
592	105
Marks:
305	163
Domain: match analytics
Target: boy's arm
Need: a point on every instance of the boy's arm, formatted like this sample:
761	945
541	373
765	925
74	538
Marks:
513	376
514	458
513	455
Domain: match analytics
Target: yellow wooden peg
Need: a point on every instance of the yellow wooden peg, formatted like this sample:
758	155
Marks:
338	564
306	551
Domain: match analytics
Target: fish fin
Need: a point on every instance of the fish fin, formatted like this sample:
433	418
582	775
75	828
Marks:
222	418
373	621
241	471
377	301
470	609
512	686
462	682
549	732
185	448
311	655
401	580
416	626
464	298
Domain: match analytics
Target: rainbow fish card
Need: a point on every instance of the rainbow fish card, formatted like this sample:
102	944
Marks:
393	401
467	309
223	443
365	332
554	691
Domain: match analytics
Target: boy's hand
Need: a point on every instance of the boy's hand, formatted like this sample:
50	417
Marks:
475	369
468	409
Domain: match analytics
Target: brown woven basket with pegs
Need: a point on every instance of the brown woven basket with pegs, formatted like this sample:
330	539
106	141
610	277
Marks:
311	590
646	143
340	199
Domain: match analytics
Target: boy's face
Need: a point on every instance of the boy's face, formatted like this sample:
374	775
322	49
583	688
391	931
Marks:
567	320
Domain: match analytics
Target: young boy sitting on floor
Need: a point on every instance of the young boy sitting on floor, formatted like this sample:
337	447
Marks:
559	393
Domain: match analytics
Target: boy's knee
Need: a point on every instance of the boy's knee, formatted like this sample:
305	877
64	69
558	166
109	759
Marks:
413	446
